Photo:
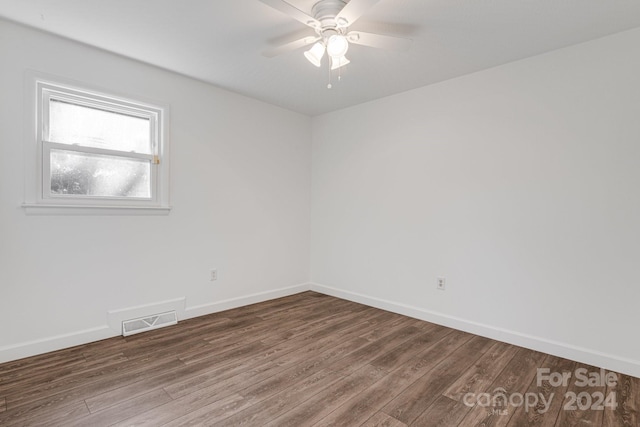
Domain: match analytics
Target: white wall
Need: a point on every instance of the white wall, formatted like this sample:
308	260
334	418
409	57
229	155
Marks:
519	184
240	191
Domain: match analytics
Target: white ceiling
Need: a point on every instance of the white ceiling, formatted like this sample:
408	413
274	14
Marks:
221	41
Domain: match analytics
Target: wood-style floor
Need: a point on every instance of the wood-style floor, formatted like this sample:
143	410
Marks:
303	360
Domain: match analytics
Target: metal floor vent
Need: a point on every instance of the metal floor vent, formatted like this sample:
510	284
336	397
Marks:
143	324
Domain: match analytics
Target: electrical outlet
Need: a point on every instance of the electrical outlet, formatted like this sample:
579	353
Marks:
214	275
441	284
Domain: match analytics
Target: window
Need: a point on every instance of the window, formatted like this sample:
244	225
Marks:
96	150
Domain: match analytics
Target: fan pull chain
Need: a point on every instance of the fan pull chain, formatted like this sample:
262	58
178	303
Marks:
329	85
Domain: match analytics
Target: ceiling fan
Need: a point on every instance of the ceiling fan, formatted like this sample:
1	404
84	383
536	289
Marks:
331	19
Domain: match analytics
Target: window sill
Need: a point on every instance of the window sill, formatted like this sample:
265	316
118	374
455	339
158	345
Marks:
45	209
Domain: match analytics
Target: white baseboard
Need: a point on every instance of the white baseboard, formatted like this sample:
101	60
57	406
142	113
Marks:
215	307
568	351
58	342
584	355
115	317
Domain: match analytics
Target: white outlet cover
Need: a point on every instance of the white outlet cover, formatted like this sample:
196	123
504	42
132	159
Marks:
441	284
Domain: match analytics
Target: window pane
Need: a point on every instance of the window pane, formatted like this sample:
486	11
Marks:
92	127
96	175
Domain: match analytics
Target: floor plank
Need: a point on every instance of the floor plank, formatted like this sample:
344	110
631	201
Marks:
376	348
303	360
124	410
55	416
286	397
23	410
515	376
283	355
416	398
443	412
380	419
313	355
549	397
112	397
478	378
407	350
579	412
322	404
363	406
627	396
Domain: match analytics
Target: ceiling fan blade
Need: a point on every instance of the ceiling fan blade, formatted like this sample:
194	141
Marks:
353	10
293	12
288	47
378	40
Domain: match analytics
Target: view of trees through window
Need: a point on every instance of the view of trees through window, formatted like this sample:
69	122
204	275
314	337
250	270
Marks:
97	148
99	176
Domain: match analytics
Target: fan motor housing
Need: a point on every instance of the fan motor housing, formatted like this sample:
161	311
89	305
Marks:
325	12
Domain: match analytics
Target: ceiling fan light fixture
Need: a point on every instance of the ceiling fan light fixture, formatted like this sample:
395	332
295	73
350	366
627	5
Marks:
314	55
337	45
338	61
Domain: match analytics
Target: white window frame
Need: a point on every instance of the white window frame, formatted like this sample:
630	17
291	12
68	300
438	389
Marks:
38	197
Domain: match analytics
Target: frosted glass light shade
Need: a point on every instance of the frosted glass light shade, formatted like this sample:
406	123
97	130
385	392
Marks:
337	45
339	61
314	55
